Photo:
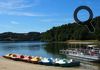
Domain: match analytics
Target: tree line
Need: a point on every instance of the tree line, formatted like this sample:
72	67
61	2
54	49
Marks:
72	31
9	36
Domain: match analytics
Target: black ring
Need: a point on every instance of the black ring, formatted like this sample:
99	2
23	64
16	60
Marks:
85	8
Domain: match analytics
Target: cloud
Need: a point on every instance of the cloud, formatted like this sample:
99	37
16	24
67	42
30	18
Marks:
16	4
18	7
47	20
10	25
18	13
57	20
12	7
14	22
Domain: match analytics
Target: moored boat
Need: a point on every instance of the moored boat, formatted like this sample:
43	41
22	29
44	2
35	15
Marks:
91	53
44	61
15	57
66	63
7	56
70	63
35	60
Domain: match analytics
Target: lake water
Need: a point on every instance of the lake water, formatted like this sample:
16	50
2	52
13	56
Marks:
41	49
30	48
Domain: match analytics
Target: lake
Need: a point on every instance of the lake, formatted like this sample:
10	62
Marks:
41	49
30	48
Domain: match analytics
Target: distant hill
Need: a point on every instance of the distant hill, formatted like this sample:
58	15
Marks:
72	31
9	36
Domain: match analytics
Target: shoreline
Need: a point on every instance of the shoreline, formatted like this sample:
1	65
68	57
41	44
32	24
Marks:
68	41
83	42
6	64
79	42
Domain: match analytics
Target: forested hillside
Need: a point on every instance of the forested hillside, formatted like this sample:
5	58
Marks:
72	31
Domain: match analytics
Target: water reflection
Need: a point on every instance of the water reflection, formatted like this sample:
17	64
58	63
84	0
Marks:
54	48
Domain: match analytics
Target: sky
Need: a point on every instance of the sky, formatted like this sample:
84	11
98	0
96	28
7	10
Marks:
24	16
